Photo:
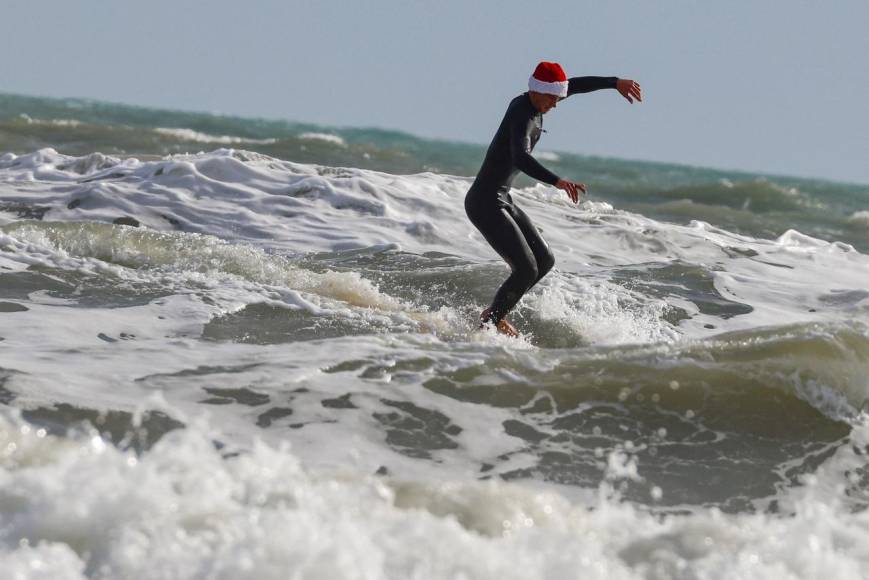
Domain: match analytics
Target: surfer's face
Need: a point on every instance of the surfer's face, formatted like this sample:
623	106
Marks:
543	102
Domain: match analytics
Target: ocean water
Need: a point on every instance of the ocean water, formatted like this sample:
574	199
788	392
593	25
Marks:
245	348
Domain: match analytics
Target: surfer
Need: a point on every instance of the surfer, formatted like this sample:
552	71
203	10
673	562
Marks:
488	203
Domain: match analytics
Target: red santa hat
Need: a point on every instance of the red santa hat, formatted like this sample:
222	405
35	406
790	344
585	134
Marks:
548	78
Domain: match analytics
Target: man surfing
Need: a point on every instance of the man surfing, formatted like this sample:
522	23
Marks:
488	203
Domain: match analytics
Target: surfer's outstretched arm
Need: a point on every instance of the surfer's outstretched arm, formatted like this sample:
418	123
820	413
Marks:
578	85
628	88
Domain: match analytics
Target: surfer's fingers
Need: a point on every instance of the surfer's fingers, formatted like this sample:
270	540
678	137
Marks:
631	91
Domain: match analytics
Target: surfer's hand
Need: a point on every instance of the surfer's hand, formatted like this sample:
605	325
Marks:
629	89
572	189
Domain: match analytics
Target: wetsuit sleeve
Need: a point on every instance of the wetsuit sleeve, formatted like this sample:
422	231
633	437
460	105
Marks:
589	84
520	152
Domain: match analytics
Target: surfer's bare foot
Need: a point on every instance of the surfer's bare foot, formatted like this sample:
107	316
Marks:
503	326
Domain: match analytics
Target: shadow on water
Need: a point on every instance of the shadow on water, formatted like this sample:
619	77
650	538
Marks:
690	282
266	324
79	288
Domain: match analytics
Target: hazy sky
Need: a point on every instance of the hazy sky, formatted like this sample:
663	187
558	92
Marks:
776	87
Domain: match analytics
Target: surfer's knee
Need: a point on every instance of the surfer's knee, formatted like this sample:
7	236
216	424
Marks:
526	275
545	264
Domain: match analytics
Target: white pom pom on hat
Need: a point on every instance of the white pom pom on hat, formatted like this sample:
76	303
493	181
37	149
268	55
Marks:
548	78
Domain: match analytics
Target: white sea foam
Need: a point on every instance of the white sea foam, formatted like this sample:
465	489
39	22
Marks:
50	122
298	209
325	137
859	218
183	511
548	156
601	312
191	135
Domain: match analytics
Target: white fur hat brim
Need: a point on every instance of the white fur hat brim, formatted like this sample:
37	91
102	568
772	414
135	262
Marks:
558	89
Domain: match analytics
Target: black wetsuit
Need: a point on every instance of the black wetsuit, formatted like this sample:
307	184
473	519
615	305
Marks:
490	206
